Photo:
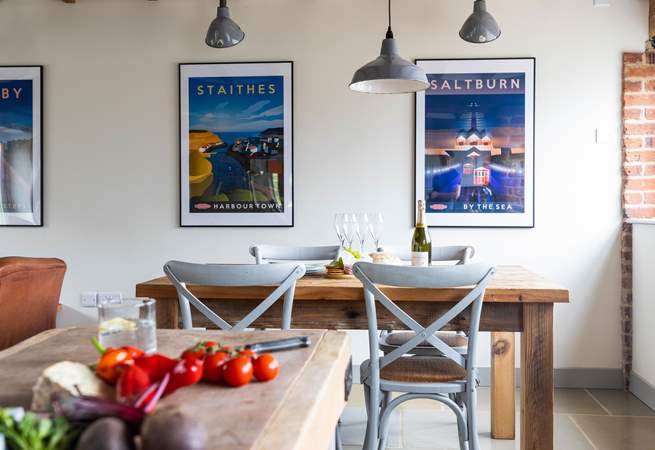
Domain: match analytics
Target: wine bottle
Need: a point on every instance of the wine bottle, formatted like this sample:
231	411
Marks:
421	242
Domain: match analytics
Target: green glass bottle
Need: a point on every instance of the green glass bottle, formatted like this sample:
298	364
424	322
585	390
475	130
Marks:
421	241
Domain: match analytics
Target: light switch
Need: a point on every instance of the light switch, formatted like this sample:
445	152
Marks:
89	299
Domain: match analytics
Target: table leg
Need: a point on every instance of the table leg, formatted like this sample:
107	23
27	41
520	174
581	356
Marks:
537	377
168	314
503	386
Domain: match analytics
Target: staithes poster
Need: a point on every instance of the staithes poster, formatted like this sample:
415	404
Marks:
236	144
474	142
20	146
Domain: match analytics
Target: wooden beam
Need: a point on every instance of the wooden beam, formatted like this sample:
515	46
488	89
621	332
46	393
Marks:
503	390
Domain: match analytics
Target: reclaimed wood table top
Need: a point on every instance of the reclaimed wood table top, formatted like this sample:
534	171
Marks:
510	284
299	409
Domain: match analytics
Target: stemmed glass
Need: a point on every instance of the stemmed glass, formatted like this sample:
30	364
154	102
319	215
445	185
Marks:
338	227
361	227
348	229
375	228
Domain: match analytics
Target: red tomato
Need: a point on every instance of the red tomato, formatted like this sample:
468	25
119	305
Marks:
265	367
247	352
188	371
237	371
213	368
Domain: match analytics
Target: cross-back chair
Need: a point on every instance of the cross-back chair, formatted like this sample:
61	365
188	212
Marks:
284	275
276	253
390	340
450	378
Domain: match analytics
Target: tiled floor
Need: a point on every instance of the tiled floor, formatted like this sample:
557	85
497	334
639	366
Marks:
585	419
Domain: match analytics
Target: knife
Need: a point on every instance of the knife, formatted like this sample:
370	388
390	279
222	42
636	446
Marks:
280	344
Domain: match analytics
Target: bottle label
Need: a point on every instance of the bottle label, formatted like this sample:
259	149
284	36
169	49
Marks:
420	259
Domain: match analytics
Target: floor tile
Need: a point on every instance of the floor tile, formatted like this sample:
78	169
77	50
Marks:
576	401
618	433
621	403
353	427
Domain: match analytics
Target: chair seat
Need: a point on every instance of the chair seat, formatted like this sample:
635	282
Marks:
423	369
398	338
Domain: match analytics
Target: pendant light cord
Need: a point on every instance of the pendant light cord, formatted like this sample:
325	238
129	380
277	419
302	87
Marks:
389	32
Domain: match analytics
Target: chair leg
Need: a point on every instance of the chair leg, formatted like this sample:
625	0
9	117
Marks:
338	444
372	399
472	418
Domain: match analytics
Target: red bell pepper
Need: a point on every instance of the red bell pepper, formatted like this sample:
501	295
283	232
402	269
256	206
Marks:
132	382
111	358
156	365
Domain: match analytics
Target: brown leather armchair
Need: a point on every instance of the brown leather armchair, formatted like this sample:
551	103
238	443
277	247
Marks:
29	296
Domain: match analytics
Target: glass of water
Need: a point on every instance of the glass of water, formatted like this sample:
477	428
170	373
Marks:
129	321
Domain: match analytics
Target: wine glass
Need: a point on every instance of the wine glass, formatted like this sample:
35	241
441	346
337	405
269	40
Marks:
361	228
338	227
348	229
375	228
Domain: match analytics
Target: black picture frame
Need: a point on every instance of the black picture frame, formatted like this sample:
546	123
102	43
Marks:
531	140
35	73
288	176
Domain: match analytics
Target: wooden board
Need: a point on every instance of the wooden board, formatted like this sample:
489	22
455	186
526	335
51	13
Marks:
511	284
300	407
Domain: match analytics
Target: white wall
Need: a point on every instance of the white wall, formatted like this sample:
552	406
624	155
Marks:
643	300
111	145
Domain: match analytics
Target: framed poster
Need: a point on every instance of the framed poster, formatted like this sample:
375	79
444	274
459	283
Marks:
236	144
475	142
21	152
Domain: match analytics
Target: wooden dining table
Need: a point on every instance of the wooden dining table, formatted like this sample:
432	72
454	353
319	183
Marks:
516	300
297	410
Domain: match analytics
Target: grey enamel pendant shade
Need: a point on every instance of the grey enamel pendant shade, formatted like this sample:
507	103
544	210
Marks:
480	27
389	73
223	31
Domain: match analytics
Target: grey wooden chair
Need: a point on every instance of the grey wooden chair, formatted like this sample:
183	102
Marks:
276	253
283	275
390	340
449	379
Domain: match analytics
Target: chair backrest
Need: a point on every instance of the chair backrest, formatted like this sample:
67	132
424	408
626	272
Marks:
461	254
269	253
234	275
29	296
371	275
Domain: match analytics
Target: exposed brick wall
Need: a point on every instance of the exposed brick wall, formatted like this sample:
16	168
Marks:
638	176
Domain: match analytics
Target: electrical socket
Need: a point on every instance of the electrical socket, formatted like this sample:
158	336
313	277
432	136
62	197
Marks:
89	299
109	297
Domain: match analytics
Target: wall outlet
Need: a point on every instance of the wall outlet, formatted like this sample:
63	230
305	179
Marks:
601	3
109	297
89	299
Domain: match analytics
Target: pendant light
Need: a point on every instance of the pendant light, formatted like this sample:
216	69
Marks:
224	32
389	73
480	27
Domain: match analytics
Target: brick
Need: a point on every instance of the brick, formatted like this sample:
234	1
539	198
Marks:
632	198
640	70
648	169
650	85
640	184
633	86
639	99
649	198
632	142
639	128
650	113
643	156
632	170
641	213
632	58
633	113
